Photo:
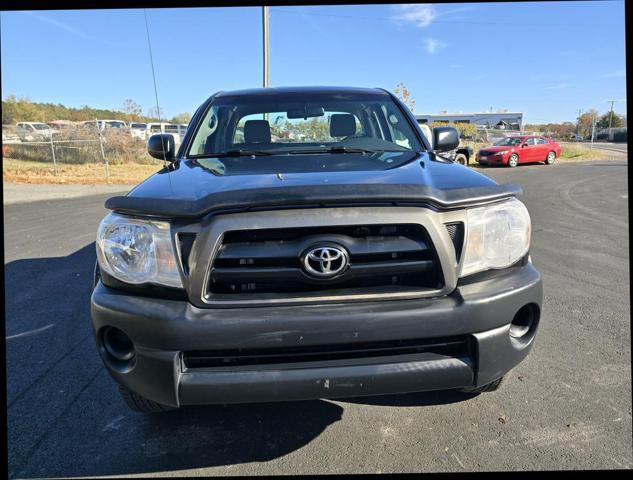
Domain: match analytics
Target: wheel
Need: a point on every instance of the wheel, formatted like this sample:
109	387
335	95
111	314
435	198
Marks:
489	387
461	159
141	404
551	156
513	161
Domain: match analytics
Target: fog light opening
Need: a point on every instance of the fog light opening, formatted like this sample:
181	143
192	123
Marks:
524	322
117	345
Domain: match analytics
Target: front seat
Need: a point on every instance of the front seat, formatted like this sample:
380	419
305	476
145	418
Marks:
342	125
256	131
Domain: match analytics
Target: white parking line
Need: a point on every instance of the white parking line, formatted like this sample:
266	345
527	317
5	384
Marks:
30	332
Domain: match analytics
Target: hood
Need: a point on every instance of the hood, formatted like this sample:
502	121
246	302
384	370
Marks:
188	189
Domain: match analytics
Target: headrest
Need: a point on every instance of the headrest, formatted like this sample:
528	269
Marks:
342	125
257	131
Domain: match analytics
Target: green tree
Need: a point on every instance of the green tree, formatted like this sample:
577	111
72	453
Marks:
465	130
184	117
616	120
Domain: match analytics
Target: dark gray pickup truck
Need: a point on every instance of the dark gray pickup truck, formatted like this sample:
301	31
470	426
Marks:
309	243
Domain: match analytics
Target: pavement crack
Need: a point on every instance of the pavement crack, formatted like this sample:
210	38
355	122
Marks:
45	372
27	457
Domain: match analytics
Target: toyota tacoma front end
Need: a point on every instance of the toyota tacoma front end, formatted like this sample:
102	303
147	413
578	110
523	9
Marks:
308	243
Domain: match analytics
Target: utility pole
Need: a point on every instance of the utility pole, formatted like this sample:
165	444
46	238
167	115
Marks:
578	124
611	113
266	45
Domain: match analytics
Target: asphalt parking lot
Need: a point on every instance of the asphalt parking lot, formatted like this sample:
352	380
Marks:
568	406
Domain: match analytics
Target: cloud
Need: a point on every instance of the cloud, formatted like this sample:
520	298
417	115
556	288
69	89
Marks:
72	30
419	14
616	74
558	86
432	45
58	24
457	10
314	24
423	14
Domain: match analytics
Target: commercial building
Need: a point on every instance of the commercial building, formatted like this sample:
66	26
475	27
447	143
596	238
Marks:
502	120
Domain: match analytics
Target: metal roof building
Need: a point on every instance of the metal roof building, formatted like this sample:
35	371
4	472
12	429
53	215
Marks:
501	119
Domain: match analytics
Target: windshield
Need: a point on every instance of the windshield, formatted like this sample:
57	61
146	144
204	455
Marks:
40	126
288	125
508	141
140	126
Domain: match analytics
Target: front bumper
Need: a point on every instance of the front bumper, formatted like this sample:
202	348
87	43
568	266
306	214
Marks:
481	309
491	160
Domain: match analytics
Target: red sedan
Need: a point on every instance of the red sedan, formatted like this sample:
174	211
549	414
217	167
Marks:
511	151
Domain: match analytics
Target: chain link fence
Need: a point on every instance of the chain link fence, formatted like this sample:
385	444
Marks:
73	144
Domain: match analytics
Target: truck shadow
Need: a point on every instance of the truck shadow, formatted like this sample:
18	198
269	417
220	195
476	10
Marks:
65	417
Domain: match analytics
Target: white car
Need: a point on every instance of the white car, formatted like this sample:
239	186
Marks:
138	130
105	124
34	131
177	130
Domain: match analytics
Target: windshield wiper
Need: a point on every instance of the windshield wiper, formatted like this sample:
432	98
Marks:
341	149
233	153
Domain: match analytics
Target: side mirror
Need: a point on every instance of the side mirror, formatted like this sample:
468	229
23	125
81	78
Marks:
162	146
445	139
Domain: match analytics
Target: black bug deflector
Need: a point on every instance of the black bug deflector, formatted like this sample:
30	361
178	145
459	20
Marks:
313	195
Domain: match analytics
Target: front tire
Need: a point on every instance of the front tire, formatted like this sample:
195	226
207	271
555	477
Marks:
461	159
551	157
141	404
513	161
489	387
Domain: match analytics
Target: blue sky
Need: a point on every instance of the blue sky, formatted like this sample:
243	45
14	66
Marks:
546	59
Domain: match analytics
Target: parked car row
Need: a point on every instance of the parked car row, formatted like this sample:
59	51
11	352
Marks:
141	129
34	131
40	131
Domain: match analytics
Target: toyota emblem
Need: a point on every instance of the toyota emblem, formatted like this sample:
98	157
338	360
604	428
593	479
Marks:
325	261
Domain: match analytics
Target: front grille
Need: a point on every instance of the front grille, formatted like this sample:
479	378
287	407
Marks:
450	347
382	258
456	232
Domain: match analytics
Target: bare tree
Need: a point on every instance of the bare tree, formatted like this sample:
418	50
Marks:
155	113
586	121
130	107
402	92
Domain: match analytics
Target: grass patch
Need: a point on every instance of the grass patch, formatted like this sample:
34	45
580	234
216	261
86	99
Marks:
26	171
576	153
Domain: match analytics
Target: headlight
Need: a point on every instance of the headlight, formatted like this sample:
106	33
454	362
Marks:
137	251
502	152
497	236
